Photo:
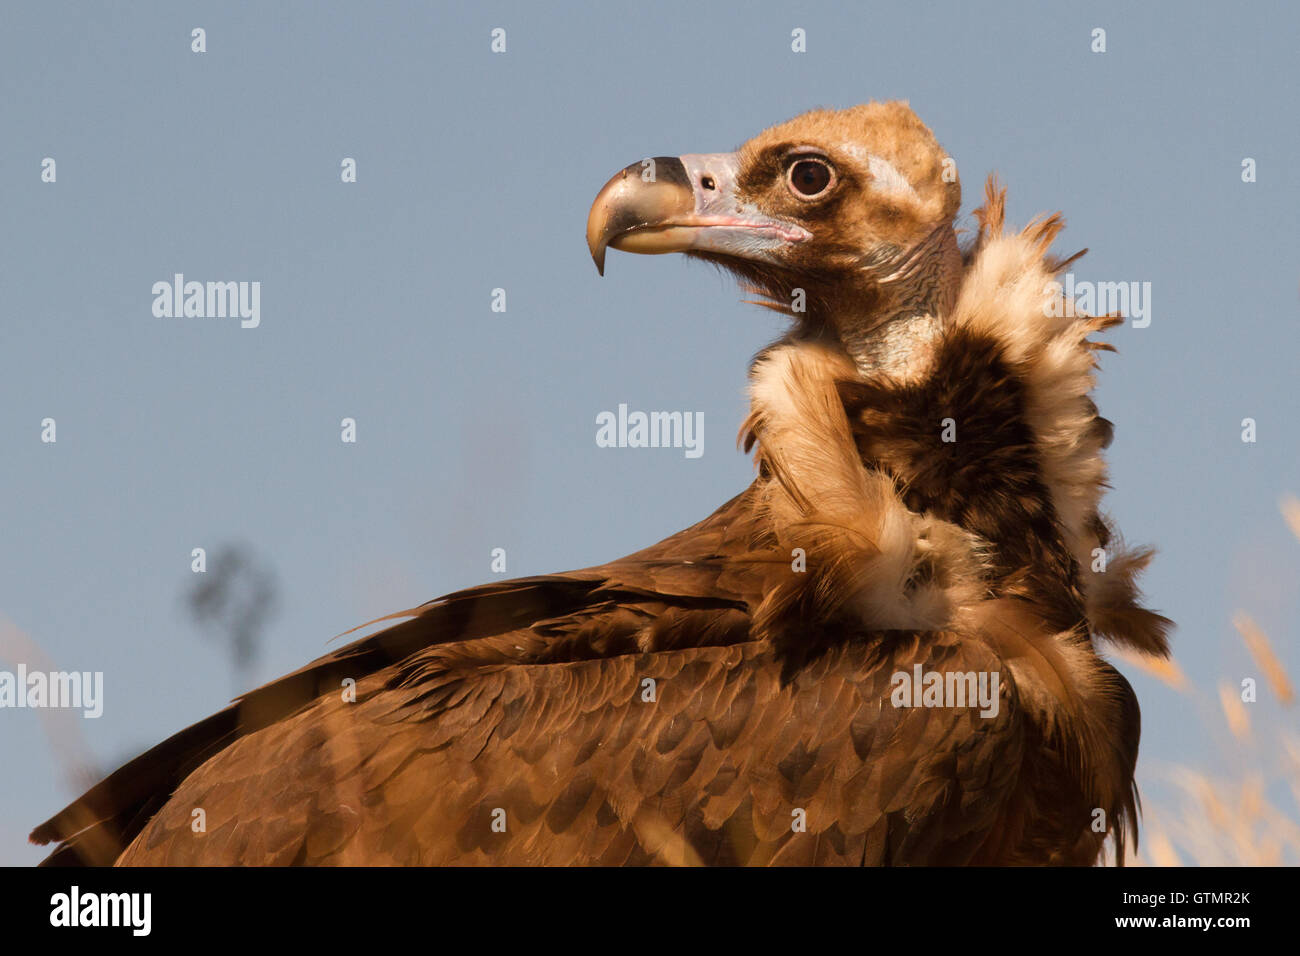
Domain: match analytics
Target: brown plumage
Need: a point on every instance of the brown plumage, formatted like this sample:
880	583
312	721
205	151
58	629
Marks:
727	695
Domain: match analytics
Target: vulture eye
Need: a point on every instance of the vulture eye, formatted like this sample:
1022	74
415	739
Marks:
810	177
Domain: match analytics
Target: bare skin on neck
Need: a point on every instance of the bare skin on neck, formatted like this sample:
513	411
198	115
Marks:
901	308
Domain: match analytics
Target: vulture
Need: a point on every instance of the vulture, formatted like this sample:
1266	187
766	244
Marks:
885	651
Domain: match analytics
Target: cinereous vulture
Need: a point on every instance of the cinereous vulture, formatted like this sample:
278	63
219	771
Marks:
884	651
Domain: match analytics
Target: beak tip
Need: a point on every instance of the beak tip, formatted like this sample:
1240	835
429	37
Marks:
629	204
597	241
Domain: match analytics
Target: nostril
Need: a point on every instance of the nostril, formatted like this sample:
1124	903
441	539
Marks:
707	182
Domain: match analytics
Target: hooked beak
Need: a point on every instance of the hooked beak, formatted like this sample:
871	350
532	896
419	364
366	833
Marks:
681	204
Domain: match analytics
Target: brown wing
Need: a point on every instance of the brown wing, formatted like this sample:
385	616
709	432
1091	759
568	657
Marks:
528	697
95	828
456	761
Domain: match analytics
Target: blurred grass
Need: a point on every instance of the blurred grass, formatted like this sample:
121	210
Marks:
1253	817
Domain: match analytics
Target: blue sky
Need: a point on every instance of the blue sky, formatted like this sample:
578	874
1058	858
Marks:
476	429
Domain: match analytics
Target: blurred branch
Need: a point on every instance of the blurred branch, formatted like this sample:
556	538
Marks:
234	601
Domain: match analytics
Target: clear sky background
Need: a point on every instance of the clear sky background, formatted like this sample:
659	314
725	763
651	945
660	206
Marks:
476	429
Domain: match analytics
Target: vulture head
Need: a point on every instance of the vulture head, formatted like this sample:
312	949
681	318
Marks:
841	218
